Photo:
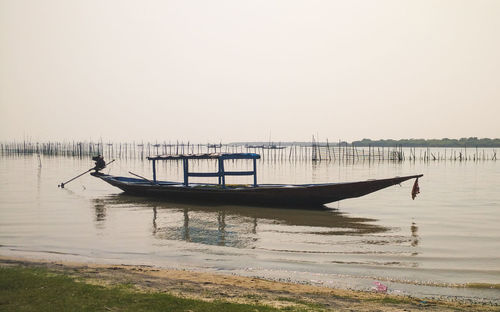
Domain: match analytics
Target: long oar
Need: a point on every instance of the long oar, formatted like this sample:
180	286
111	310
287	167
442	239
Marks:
64	183
142	177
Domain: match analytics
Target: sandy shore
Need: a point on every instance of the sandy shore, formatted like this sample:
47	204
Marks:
208	286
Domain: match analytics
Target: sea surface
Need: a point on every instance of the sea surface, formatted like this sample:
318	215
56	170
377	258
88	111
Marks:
445	243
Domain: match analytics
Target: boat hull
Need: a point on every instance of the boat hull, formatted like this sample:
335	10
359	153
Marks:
275	195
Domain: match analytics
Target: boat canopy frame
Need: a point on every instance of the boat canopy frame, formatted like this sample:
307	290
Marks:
220	157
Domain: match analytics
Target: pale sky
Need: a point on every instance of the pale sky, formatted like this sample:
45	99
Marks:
212	70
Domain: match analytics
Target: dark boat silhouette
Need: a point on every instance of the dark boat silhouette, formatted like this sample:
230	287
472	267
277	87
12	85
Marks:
255	194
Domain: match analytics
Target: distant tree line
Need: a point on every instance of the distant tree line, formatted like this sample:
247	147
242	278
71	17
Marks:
463	142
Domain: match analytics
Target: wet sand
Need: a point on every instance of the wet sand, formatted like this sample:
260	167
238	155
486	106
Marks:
238	289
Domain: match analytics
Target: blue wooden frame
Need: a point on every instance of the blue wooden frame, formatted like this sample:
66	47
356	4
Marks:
221	173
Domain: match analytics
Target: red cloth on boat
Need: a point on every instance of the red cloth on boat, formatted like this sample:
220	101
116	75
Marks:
415	190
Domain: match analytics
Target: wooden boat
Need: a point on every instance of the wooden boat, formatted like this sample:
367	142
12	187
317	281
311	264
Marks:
260	194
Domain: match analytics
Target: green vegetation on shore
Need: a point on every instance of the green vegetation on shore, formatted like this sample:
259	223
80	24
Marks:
27	289
463	142
34	286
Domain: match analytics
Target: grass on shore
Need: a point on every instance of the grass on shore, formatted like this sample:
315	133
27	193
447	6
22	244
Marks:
28	289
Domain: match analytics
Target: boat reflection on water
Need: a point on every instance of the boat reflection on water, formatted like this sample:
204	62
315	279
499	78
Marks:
100	213
236	226
415	239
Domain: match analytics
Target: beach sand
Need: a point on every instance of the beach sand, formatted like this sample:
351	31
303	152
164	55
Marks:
238	289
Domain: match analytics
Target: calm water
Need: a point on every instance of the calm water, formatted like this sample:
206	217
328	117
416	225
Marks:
432	246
